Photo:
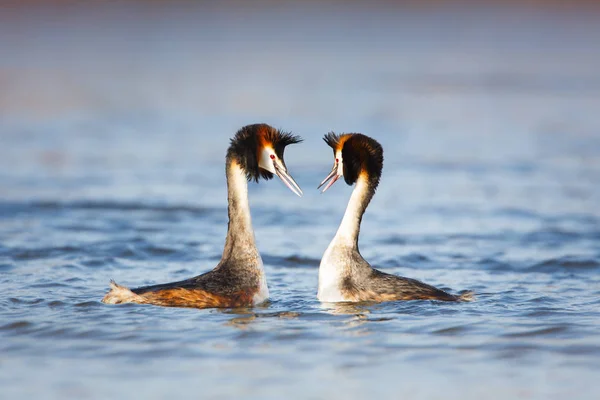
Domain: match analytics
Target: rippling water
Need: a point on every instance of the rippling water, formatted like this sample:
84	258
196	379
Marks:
490	183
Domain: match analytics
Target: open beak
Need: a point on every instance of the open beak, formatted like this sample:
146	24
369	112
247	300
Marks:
332	178
287	179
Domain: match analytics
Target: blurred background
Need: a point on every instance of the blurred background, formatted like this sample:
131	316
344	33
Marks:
108	90
114	122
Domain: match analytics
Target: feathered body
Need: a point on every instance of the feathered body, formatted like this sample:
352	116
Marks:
256	151
344	275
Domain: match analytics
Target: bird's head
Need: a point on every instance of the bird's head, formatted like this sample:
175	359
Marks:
355	155
258	149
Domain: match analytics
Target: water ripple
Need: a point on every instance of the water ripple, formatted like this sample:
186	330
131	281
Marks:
554	331
290	261
8	209
566	263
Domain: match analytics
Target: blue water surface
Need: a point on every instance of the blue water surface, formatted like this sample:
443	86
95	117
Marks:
114	122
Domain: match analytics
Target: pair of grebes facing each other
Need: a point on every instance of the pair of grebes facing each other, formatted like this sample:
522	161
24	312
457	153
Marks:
256	151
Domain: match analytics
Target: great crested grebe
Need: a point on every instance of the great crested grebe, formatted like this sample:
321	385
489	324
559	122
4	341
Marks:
344	275
256	151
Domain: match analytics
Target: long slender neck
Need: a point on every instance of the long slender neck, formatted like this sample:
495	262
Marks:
349	229
239	243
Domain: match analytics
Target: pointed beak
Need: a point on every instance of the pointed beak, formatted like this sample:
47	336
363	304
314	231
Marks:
287	179
332	178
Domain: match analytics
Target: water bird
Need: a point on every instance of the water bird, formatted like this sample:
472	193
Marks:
255	152
344	275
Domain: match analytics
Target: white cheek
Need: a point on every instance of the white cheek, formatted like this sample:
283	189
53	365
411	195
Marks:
340	170
265	161
340	163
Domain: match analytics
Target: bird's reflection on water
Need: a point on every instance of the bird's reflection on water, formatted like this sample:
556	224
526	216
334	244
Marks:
247	316
358	313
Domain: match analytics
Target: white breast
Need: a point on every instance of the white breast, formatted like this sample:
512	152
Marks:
330	277
263	291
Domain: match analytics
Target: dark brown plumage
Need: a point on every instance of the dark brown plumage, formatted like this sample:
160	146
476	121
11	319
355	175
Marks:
238	280
344	275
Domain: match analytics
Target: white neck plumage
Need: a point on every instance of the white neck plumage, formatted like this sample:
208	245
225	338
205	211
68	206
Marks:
340	256
347	233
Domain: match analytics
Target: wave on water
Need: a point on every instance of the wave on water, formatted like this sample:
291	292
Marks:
566	263
290	261
8	209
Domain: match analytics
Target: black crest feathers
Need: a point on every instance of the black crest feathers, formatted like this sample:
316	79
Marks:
247	143
279	140
360	154
332	140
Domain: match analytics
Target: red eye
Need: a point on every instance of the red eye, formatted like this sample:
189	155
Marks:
272	156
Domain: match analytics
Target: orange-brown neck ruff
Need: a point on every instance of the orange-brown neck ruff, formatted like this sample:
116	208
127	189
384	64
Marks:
336	141
248	143
264	136
271	138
